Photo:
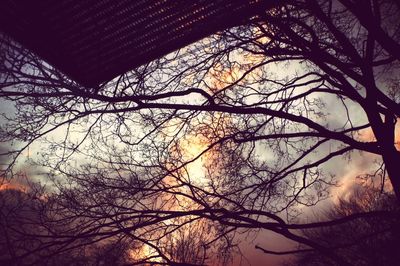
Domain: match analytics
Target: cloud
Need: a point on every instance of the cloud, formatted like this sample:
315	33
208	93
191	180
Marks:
24	173
361	164
4	158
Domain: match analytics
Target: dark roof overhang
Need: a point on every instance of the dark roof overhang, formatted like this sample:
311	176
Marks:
93	41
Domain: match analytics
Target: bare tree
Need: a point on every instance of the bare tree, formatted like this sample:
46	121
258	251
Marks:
235	131
370	241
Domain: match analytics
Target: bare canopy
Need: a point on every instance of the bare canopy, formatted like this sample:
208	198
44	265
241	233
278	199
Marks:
236	133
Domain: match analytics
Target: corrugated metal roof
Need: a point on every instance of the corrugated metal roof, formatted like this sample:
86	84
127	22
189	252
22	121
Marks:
93	41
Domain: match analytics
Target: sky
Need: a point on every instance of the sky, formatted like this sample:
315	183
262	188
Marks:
345	174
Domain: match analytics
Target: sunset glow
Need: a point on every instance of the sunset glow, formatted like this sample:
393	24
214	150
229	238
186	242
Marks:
5	185
192	149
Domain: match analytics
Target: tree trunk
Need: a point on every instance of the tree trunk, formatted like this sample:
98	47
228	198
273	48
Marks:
384	132
392	163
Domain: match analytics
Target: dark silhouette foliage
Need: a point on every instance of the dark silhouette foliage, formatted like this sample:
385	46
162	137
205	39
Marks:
368	241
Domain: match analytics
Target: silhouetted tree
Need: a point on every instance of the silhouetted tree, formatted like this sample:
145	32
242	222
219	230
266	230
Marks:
21	214
19	220
369	241
264	107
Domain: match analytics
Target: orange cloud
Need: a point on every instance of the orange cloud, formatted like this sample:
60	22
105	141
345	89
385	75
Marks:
12	185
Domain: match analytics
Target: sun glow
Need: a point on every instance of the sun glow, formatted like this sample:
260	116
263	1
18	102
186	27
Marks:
192	156
193	151
145	252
